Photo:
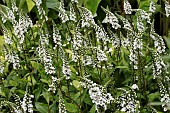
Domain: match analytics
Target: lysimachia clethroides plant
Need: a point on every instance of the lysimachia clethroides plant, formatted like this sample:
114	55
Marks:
78	62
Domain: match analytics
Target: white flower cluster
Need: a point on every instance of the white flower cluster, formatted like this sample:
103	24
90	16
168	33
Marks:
120	41
75	55
152	7
72	14
158	65
62	108
127	101
167	80
10	15
101	56
3	16
62	12
17	101
56	36
87	17
1	67
40	9
165	98
13	107
140	25
144	15
75	1
101	34
126	41
133	58
7	38
127	7
112	19
14	7
21	27
44	55
167	8
13	58
77	40
126	24
136	50
76	45
98	94
26	104
46	59
87	60
158	41
66	69
116	41
53	85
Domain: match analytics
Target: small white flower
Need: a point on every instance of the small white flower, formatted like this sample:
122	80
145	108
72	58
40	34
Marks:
167	8
76	1
135	86
62	12
101	56
72	14
87	17
99	97
66	70
152	7
127	7
112	19
62	108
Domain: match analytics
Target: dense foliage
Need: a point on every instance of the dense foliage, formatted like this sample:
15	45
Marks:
84	56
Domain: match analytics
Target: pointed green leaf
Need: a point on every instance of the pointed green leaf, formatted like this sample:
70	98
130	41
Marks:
93	110
30	4
92	5
77	85
71	107
41	107
46	95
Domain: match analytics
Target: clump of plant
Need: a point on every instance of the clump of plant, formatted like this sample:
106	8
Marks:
61	58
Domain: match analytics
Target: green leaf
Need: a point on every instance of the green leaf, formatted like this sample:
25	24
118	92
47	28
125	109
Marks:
153	96
92	5
53	108
46	95
13	83
44	80
21	4
77	85
88	100
71	107
146	1
167	40
37	93
30	4
156	103
158	7
121	67
1	40
80	2
144	5
2	93
76	96
1	44
53	4
72	69
93	110
8	3
68	51
41	107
